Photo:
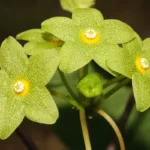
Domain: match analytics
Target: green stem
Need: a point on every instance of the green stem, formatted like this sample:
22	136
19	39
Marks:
114	80
114	126
83	71
67	85
116	88
70	100
85	130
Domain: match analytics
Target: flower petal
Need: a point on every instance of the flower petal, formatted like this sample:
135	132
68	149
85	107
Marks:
146	45
34	47
42	67
12	58
40	106
62	27
87	17
141	88
31	35
120	61
11	115
117	32
101	56
74	56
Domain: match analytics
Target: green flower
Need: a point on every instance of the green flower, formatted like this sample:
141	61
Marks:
87	36
39	41
22	90
133	61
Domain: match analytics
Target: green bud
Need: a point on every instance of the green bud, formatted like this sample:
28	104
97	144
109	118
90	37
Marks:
90	86
70	5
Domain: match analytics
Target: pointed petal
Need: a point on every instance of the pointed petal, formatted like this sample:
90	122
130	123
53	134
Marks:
141	88
32	48
11	115
62	27
12	58
74	56
146	45
117	32
42	67
87	17
40	106
120	61
31	35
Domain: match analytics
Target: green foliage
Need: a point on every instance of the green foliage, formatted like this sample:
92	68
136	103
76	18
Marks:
70	5
90	85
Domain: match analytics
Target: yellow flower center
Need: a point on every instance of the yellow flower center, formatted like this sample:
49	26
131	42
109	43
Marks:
142	64
90	36
21	87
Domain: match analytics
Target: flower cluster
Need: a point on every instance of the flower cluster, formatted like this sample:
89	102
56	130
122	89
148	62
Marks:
69	44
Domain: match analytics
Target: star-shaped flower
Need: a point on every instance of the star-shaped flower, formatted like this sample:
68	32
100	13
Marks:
39	41
22	87
133	61
87	36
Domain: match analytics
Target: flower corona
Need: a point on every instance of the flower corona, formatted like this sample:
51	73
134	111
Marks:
90	36
142	64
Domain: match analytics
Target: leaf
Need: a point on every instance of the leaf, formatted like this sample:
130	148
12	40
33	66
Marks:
40	106
70	5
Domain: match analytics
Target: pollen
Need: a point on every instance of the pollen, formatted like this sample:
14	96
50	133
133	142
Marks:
21	87
142	64
90	36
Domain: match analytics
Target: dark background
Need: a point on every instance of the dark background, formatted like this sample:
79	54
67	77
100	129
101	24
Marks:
20	15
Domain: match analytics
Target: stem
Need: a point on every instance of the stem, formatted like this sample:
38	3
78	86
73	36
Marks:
85	130
70	100
116	88
67	85
114	80
28	142
114	126
83	71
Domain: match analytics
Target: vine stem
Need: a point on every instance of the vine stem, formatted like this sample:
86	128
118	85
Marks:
28	142
67	98
85	129
64	80
114	80
114	126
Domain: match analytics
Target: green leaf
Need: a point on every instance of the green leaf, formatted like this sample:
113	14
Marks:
117	32
146	45
62	27
120	61
141	89
12	58
74	56
90	85
70	5
42	67
11	115
34	47
31	35
40	106
89	17
101	56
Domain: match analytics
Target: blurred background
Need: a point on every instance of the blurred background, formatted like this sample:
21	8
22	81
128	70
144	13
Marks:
20	15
